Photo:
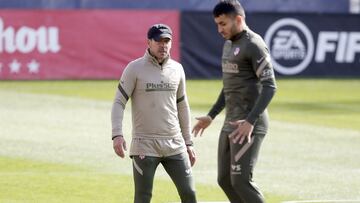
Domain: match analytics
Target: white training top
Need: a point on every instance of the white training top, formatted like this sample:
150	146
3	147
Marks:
160	109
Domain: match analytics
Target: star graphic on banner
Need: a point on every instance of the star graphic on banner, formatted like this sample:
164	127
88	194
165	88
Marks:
33	66
14	66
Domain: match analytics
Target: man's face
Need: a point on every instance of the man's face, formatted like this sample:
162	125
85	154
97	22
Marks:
226	25
160	49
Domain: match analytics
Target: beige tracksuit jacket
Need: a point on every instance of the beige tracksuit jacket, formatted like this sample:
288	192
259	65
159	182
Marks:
160	109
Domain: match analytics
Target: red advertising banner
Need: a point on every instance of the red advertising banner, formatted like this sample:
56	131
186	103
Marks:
76	44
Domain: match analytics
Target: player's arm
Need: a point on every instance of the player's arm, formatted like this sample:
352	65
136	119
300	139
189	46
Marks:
123	93
261	62
183	108
204	121
218	106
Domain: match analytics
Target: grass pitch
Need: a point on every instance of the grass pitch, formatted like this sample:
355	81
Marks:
328	102
25	180
55	143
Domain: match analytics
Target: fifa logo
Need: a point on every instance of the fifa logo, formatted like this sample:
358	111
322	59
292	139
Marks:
293	48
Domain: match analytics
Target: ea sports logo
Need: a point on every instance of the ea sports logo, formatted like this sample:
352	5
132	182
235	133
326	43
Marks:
291	45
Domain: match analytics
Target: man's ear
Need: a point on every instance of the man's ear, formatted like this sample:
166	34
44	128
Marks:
239	20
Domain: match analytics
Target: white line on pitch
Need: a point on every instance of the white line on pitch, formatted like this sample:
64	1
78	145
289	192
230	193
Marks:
323	201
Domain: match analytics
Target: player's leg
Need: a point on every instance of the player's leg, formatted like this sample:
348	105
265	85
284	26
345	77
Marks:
243	161
144	170
179	169
224	164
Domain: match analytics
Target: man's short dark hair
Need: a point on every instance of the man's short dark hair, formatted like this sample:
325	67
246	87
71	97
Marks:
228	7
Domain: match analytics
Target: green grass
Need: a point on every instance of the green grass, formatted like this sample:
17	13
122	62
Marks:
34	181
327	102
313	102
100	90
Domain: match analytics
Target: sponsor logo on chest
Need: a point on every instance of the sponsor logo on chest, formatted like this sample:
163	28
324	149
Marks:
162	86
228	67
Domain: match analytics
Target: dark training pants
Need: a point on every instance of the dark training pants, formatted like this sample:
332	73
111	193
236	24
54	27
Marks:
235	167
177	166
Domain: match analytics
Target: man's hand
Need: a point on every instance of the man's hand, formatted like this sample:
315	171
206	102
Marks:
119	145
243	131
192	155
201	125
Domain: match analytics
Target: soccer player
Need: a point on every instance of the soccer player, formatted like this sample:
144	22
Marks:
248	87
160	118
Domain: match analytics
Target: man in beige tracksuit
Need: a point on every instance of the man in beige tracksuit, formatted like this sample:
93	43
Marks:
160	118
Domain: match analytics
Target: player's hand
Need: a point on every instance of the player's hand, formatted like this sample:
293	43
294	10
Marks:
202	123
119	145
192	155
243	131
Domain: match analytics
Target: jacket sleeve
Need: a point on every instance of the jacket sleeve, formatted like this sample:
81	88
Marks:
218	106
123	93
261	63
184	110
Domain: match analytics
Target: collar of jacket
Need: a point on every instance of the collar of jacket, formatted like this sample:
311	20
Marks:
238	35
153	60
